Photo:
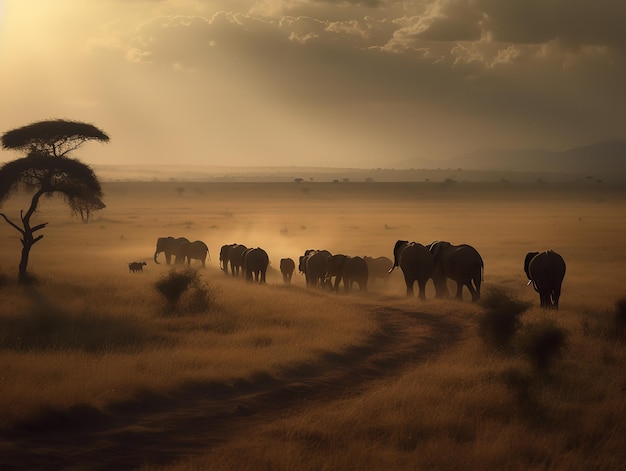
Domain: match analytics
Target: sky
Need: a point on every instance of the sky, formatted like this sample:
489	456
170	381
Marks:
341	83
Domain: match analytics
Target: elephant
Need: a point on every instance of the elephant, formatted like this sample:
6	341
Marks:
417	264
168	246
233	254
460	263
546	271
287	267
255	262
136	266
378	267
314	266
349	269
225	257
196	250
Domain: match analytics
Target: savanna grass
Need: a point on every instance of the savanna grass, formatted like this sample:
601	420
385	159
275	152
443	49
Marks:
467	407
98	340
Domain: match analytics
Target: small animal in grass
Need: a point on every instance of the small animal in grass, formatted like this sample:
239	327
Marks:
136	266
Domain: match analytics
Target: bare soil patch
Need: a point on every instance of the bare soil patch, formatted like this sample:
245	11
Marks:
158	429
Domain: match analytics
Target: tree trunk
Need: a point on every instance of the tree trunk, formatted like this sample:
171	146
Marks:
22	276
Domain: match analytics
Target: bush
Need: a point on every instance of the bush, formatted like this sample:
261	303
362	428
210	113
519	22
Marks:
541	343
500	321
175	284
619	318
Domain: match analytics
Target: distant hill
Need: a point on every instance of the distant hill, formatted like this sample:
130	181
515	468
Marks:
602	159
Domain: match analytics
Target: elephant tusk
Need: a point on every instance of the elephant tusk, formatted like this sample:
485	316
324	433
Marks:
529	282
392	269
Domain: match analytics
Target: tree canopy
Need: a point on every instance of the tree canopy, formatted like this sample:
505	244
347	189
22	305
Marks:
53	137
72	179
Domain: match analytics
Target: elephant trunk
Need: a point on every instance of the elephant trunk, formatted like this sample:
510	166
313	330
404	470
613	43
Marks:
156	253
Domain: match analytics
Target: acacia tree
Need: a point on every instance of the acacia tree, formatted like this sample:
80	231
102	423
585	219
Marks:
46	171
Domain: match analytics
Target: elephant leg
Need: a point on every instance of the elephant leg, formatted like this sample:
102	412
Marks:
556	295
441	288
459	291
470	288
422	292
263	277
409	286
476	284
337	281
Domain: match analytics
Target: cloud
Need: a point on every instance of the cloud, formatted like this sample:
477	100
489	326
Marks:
278	76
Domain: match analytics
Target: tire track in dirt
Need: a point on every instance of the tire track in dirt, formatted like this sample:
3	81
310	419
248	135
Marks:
157	429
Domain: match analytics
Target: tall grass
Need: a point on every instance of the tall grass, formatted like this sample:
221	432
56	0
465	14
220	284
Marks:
97	340
89	333
468	409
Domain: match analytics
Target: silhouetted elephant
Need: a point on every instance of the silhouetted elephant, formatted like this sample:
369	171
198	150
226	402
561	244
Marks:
136	266
379	267
236	259
232	254
461	263
417	264
255	262
287	267
349	269
196	250
168	246
314	264
546	271
225	257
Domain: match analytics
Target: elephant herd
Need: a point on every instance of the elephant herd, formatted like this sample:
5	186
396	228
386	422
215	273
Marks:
438	261
252	262
419	263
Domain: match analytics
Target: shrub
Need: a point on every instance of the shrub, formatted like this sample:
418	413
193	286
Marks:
619	319
541	343
175	284
500	320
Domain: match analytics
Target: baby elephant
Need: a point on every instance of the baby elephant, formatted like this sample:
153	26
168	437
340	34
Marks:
136	266
287	266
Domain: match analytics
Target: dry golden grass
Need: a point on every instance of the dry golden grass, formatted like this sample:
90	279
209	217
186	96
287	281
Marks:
89	332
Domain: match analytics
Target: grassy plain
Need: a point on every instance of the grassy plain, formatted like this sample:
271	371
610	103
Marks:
291	378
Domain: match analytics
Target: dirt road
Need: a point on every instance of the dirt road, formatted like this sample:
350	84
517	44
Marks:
156	429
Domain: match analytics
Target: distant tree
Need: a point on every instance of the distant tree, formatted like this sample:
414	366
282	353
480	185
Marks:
84	208
298	180
47	171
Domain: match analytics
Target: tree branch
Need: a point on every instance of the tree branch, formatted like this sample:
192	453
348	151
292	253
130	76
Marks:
12	223
38	227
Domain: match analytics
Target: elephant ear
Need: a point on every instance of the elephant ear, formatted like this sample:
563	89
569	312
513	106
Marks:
527	260
396	251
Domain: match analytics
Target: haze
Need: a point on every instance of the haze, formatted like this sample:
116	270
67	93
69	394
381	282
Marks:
352	83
